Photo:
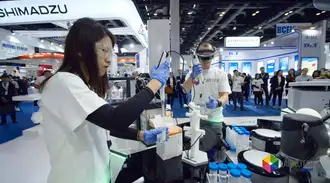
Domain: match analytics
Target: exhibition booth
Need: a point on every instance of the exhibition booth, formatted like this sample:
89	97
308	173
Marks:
302	47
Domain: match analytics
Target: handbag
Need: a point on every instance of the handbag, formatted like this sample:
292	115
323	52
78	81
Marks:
169	90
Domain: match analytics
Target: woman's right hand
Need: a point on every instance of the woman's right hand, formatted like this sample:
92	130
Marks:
159	76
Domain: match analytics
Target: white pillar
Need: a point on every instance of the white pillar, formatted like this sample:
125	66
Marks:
158	40
175	34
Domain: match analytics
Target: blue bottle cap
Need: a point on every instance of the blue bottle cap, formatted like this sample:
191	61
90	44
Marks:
222	167
234	126
235	173
213	166
232	149
240	133
241	166
246	173
231	166
242	128
247	133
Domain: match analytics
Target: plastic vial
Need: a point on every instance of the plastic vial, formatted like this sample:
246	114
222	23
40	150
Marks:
228	132
223	176
235	176
213	175
240	141
247	140
241	166
231	166
246	176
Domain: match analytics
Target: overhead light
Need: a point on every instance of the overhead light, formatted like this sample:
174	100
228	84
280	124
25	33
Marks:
221	15
221	49
234	28
42	41
272	43
317	14
260	27
290	12
200	38
183	28
265	45
261	37
131	45
312	27
155	14
190	12
148	14
324	11
221	38
51	43
293	30
146	8
254	14
286	14
209	28
194	6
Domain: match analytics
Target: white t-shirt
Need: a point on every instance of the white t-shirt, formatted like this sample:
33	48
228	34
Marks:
211	83
237	83
258	83
77	148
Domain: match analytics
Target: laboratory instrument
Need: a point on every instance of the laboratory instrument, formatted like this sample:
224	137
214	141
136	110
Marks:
266	140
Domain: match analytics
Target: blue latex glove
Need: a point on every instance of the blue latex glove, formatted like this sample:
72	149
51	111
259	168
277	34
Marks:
196	70
213	103
150	136
162	73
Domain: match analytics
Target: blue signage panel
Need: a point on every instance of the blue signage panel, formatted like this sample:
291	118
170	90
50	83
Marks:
232	66
284	64
296	61
246	67
271	67
14	47
223	66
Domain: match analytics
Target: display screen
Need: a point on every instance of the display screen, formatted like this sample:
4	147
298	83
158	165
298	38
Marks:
271	67
284	65
296	61
259	65
232	66
222	66
310	63
246	67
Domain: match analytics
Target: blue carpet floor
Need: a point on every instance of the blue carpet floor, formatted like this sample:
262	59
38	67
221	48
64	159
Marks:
11	131
228	111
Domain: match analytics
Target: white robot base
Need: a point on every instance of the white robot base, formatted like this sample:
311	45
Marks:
198	160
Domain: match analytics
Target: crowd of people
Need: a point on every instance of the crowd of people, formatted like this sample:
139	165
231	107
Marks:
265	88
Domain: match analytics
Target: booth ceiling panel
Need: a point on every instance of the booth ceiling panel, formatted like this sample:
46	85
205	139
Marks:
198	15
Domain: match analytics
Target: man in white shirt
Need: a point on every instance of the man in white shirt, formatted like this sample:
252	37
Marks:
304	76
238	82
46	74
210	89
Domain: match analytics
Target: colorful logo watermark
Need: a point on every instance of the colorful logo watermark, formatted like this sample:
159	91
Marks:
270	163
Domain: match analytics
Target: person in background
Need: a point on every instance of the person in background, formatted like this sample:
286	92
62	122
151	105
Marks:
230	81
7	106
171	83
271	93
304	76
265	76
246	86
316	74
46	74
298	72
257	89
277	86
15	83
179	90
238	82
291	77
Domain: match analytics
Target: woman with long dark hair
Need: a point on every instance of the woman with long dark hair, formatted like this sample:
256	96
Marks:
75	114
277	86
291	77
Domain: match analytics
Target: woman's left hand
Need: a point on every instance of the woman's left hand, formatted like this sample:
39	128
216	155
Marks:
150	136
